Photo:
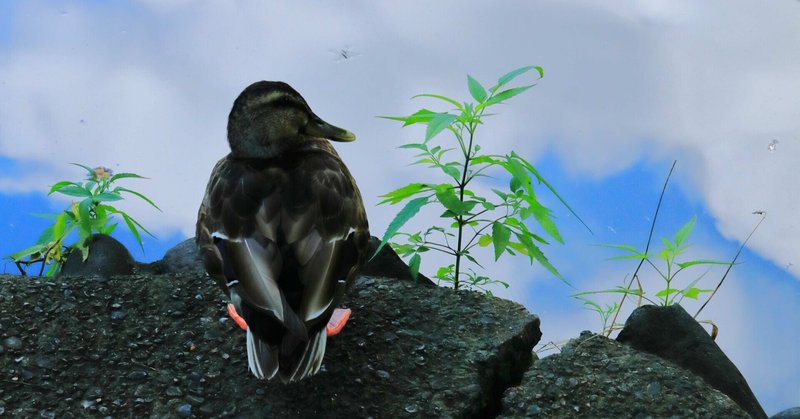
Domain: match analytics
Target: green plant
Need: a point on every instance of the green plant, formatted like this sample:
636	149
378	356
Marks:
671	268
471	219
91	214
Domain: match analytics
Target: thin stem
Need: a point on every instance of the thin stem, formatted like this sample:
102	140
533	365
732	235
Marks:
763	216
442	248
461	187
649	239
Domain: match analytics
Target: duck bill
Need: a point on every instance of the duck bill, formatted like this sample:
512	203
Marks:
318	128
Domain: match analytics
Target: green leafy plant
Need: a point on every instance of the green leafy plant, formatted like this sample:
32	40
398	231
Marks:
668	271
92	213
469	219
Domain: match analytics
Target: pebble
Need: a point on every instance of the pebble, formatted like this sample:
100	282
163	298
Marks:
185	410
12	342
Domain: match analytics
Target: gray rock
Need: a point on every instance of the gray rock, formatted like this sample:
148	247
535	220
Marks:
671	333
639	385
792	413
184	257
107	257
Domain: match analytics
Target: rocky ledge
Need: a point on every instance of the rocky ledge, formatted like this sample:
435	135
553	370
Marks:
158	343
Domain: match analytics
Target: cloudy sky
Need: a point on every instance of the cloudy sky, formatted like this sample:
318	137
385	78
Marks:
629	87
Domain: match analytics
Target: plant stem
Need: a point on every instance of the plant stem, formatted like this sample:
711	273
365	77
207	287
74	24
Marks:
647	247
460	218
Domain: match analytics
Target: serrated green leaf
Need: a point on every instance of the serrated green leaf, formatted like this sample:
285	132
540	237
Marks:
413	266
476	90
483	160
667	291
59	226
453	102
701	262
405	214
60	185
684	232
621	247
502	96
108	197
472	259
46	236
74	190
511	75
83	211
451	171
402	193
419	146
17	256
500	237
484	240
146	199
543	216
447	196
528	166
437	124
693	292
124	176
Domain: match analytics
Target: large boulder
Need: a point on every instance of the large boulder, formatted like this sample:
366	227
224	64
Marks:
671	333
183	257
107	257
595	377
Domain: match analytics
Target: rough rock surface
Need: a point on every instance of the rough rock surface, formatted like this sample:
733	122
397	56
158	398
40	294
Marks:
671	333
594	377
792	413
161	346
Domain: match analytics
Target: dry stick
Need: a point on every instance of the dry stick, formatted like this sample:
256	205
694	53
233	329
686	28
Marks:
649	239
763	216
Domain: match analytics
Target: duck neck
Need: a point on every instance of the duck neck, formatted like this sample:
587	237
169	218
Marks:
274	149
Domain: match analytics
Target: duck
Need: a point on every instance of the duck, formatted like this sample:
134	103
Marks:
282	230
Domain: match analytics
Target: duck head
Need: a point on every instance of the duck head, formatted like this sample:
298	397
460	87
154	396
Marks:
269	117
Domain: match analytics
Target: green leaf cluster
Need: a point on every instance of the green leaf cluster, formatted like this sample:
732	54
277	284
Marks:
469	219
670	267
93	213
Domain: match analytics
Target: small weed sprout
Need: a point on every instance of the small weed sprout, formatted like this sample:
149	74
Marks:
668	270
92	214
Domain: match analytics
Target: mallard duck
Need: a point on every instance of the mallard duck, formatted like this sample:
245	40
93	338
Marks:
282	228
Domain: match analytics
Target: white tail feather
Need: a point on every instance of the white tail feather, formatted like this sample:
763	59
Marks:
262	360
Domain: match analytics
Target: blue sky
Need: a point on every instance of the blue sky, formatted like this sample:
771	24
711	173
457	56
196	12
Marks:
629	86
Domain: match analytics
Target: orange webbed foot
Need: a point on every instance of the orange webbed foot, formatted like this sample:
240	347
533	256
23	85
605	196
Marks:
236	317
338	319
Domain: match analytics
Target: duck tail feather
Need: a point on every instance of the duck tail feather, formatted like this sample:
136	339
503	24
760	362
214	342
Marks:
261	357
308	361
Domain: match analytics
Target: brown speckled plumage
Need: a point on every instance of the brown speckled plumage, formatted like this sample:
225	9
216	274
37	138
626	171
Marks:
282	228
